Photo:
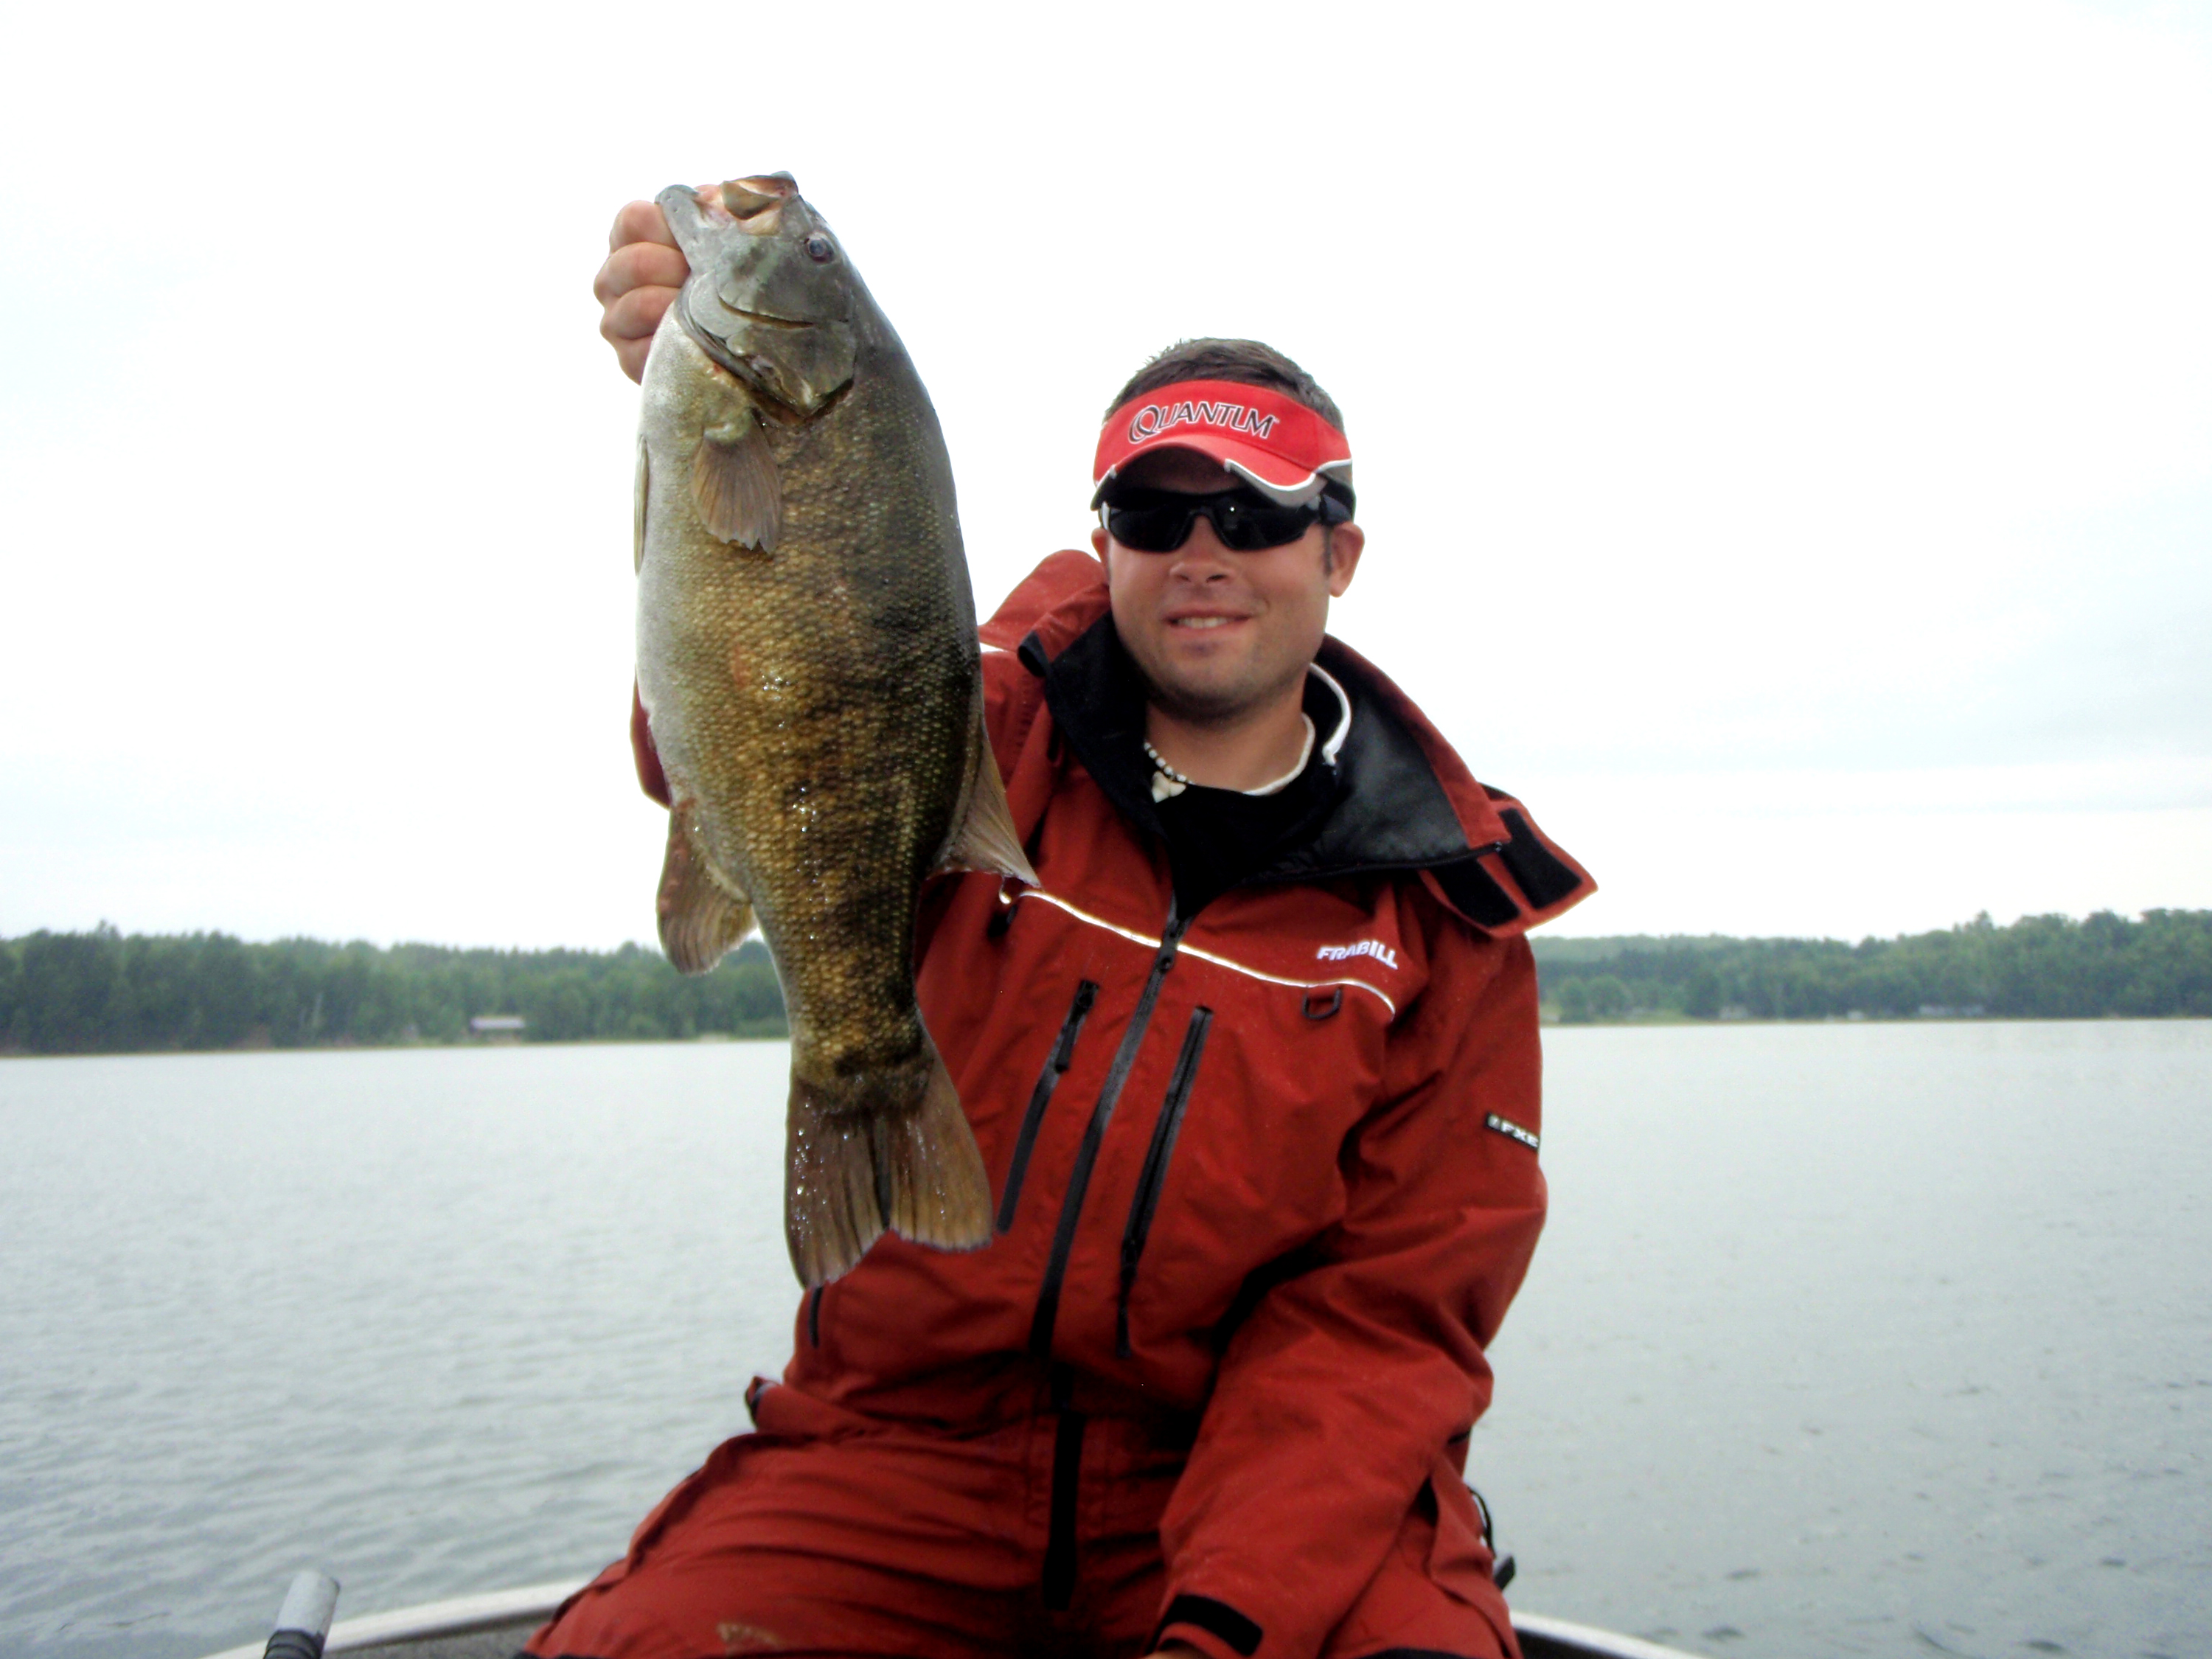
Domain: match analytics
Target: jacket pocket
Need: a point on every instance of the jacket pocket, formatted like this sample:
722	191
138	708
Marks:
1055	1067
1155	1172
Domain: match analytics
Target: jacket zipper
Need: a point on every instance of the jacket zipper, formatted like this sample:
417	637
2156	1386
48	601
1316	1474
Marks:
1055	1067
1086	1155
1155	1173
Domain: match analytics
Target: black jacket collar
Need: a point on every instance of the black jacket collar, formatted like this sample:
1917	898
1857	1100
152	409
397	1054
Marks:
1389	813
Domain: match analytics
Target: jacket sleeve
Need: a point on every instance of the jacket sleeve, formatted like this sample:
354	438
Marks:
1339	1395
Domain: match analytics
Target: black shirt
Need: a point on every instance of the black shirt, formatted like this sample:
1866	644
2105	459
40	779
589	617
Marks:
1216	839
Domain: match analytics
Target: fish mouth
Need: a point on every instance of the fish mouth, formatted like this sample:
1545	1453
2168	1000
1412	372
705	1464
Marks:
754	203
765	319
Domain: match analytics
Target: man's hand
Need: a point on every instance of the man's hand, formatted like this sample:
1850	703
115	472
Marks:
638	283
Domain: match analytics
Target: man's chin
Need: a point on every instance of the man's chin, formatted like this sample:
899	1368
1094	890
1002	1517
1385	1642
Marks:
1202	701
1215	690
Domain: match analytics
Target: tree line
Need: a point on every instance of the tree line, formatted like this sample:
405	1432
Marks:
106	992
2039	968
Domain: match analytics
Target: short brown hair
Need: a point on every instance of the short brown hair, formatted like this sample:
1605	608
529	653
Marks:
1245	362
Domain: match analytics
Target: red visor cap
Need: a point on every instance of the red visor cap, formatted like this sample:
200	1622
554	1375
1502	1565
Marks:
1274	443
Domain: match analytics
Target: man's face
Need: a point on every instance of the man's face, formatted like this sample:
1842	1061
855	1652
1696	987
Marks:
1220	633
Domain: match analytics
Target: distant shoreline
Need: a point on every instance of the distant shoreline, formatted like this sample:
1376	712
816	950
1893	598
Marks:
1662	1021
105	992
421	1045
1550	1022
2104	966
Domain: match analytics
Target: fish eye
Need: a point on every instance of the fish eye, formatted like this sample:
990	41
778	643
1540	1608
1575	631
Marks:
820	249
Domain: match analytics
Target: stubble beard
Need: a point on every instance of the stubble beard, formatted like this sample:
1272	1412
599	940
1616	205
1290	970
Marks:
1216	708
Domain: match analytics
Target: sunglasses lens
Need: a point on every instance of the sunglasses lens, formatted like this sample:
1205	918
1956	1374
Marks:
1151	529
1159	521
1246	524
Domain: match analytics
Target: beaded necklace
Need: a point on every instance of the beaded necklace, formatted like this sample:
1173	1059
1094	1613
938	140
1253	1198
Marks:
1166	780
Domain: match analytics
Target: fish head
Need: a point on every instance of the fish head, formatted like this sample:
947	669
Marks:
771	296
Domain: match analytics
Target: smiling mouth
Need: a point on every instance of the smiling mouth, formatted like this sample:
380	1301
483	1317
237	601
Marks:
1202	622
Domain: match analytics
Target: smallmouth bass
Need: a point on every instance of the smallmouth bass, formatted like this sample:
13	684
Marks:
808	665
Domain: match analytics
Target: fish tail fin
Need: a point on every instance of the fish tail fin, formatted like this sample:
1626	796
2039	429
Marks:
830	1210
930	1171
888	1149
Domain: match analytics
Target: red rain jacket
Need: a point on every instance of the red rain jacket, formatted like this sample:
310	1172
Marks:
1273	1166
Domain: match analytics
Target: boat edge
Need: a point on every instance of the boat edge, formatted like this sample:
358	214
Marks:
462	1615
456	1617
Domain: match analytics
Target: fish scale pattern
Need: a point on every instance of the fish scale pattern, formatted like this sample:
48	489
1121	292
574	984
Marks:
816	704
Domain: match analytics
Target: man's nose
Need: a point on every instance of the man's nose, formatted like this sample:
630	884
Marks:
1201	557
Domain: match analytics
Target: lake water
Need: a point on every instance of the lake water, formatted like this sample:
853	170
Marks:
1843	1340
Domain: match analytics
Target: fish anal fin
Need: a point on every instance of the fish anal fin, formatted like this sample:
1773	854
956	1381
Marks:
734	484
884	1149
702	915
985	838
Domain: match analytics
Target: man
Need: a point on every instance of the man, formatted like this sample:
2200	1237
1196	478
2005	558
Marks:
1254	1072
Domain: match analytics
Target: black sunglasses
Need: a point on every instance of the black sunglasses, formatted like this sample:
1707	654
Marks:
1160	520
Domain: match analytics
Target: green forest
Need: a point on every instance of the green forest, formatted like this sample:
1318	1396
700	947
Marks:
2039	968
106	992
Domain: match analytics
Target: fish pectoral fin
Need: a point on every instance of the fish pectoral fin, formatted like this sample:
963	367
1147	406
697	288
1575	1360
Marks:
644	489
734	484
702	915
986	839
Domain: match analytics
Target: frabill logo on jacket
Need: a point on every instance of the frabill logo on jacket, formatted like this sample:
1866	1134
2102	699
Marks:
1366	947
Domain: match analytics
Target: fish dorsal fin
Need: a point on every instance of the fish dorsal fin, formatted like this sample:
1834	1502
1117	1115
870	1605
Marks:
701	915
734	484
637	511
985	838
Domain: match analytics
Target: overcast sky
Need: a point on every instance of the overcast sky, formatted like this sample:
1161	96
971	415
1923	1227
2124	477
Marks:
1784	432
